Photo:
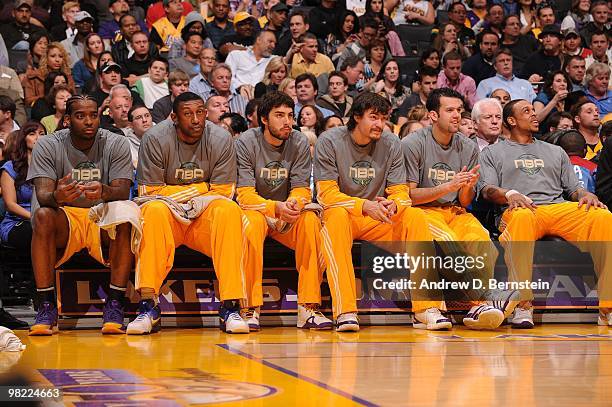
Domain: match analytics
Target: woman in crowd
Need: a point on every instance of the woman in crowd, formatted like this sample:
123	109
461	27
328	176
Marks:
54	60
310	119
447	41
419	12
194	22
288	86
15	228
552	97
389	85
578	16
58	97
347	29
419	114
376	58
431	57
38	48
41	108
527	16
85	69
375	9
332	121
276	71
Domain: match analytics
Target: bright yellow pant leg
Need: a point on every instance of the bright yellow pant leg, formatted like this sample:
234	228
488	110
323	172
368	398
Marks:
83	234
256	232
162	233
219	233
305	238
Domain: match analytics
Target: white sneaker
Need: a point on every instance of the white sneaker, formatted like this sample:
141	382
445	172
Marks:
147	321
231	321
309	317
251	316
483	317
505	300
523	318
347	322
431	319
604	319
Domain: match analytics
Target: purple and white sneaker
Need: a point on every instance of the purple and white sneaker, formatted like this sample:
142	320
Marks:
113	317
432	320
347	322
309	317
46	320
483	317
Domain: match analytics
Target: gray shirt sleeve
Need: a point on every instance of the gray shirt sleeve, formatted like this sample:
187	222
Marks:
412	159
325	168
246	165
150	162
42	164
569	181
121	161
302	167
397	169
488	170
224	170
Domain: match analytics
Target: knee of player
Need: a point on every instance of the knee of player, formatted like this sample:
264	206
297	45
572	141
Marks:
335	215
310	219
155	209
124	229
524	215
224	207
44	219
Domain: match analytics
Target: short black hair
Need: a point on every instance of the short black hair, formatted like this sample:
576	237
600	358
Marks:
339	75
307	36
7	105
162	60
451	56
270	101
186	35
455	4
427	71
301	13
555	118
577	109
570	58
364	102
182	98
508	17
136	107
307	76
251	106
124	16
433	101
78	98
509	110
572	142
598	32
238	123
368	22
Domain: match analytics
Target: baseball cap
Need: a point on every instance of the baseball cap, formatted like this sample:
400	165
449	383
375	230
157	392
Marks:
241	16
550	29
570	31
109	66
82	15
22	3
280	7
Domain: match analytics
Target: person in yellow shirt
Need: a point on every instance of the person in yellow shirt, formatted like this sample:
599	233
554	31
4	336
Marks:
168	29
308	59
586	121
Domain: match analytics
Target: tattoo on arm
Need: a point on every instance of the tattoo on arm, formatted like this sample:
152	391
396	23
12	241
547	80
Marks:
118	190
44	188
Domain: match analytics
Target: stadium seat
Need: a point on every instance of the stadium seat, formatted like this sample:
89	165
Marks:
441	17
415	38
18	60
408	67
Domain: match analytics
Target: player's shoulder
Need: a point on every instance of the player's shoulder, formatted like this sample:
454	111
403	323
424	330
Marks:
54	139
216	136
333	135
417	138
390	139
163	130
298	140
111	139
464	143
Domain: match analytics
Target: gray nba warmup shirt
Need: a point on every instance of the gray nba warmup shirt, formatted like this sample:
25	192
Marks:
108	159
429	164
361	171
163	159
273	171
539	170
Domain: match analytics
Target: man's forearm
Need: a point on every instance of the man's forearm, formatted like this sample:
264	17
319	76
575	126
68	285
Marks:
421	196
115	193
466	196
495	195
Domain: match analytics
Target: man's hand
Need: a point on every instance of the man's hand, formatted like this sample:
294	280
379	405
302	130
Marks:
93	190
376	211
389	204
535	78
475	175
518	200
247	91
459	181
590	200
67	190
286	211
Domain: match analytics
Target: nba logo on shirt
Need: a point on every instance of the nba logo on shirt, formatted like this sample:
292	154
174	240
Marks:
86	172
440	173
362	173
274	173
188	173
529	164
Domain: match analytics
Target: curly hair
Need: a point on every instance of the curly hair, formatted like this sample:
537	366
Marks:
44	69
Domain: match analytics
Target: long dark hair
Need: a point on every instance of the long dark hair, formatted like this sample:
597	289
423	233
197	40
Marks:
340	35
318	127
50	80
550	78
399	89
19	155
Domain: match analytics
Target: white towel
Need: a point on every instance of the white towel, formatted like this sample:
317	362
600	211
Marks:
9	342
108	215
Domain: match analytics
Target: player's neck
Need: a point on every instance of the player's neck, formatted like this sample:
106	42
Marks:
521	137
270	139
80	143
186	138
442	138
361	140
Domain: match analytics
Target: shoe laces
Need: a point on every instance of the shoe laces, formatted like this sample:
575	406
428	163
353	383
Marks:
314	308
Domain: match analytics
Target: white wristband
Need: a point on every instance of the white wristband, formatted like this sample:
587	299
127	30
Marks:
511	192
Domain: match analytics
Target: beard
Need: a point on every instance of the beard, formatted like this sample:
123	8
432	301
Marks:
280	134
